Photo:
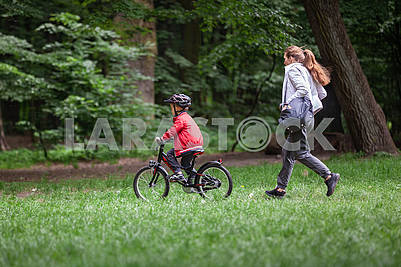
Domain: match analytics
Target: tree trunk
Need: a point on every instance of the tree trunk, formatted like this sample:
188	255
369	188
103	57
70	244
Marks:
145	65
365	118
3	143
191	35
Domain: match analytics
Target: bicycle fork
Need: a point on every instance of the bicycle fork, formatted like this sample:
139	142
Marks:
153	164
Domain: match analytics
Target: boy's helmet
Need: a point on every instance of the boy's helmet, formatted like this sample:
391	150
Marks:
181	100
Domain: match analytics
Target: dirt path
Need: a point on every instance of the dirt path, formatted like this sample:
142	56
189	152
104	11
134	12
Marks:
126	166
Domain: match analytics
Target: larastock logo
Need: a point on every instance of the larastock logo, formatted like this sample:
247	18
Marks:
253	134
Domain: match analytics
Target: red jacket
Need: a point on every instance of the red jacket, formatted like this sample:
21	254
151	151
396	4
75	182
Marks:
186	134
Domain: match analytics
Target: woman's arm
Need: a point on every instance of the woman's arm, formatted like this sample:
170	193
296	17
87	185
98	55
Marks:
321	92
301	86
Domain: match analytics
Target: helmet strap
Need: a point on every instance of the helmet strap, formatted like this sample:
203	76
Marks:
176	113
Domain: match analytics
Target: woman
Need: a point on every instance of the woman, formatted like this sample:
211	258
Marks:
304	79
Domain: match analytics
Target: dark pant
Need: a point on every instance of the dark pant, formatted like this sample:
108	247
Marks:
302	154
185	161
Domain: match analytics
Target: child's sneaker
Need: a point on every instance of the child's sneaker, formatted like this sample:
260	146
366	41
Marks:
276	193
331	183
177	177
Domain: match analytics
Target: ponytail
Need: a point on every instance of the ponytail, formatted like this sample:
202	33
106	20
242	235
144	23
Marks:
318	72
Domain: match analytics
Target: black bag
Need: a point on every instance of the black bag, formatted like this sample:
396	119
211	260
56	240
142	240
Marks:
295	117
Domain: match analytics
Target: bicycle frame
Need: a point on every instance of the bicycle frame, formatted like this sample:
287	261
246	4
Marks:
156	165
162	156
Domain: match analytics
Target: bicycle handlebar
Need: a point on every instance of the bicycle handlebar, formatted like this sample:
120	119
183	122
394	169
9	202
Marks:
160	141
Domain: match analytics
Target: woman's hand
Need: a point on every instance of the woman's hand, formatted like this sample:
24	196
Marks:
286	106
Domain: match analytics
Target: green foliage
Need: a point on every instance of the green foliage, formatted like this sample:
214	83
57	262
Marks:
102	13
240	62
26	158
249	26
82	75
100	222
63	66
10	8
236	60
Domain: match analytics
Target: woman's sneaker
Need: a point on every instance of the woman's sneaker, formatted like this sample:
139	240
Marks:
275	193
331	183
177	177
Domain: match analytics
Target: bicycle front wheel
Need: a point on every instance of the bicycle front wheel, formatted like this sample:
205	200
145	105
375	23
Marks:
151	184
215	182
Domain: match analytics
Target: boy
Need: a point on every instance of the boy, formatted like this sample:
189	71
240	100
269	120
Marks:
187	137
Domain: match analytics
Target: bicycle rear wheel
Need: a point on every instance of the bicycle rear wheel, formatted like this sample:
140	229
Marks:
148	186
216	182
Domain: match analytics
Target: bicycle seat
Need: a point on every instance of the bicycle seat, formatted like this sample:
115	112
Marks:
195	151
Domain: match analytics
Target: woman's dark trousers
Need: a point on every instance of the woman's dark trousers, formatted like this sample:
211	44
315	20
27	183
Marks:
303	155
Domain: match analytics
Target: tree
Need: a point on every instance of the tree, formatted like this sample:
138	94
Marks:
365	118
3	143
141	32
191	35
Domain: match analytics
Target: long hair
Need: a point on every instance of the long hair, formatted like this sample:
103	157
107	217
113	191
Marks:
319	73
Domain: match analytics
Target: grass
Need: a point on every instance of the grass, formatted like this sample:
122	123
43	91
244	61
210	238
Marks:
99	222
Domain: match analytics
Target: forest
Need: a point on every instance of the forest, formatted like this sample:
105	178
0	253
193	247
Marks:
73	193
88	59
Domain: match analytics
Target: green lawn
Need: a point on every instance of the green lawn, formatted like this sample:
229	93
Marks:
100	222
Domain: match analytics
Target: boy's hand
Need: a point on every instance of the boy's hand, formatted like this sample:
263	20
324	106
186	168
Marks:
158	140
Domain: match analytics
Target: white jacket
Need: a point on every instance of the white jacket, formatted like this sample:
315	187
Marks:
298	82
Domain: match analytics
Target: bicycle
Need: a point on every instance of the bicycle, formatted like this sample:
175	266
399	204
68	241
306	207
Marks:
211	180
